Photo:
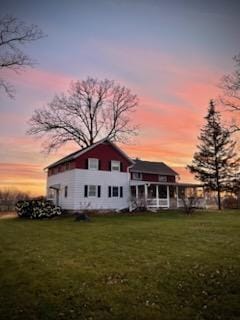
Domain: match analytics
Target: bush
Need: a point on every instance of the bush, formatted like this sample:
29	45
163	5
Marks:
189	204
37	209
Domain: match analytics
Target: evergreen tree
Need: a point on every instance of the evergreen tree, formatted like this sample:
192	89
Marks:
215	162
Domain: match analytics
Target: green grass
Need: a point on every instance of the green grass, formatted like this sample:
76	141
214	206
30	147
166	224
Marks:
158	266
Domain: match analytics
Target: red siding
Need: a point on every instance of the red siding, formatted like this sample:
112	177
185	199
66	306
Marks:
150	177
61	168
105	152
154	177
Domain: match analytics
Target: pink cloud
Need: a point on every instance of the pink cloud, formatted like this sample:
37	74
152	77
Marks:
39	78
185	175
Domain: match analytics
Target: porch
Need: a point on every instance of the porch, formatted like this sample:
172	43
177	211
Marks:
165	195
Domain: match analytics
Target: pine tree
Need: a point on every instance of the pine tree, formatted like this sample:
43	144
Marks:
215	162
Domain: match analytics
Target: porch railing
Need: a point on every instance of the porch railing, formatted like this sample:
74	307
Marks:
165	203
158	203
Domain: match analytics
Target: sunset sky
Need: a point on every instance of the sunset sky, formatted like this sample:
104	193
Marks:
172	54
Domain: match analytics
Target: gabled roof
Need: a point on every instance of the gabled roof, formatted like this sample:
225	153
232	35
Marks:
152	167
78	153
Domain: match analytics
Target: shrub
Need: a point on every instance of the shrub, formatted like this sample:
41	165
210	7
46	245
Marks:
37	209
189	204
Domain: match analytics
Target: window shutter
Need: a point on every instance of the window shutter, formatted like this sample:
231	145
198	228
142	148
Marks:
109	166
99	191
65	192
86	164
85	191
99	164
109	192
121	166
121	192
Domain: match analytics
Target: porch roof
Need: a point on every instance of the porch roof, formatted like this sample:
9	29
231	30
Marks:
55	186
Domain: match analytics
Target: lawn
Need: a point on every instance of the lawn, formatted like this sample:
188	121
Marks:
158	266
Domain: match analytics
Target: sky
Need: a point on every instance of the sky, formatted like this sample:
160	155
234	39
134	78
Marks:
172	54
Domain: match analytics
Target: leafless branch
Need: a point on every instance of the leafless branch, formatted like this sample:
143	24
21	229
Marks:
92	110
230	84
14	34
8	88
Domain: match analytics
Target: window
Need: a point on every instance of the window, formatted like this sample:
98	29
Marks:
66	191
115	191
93	164
162	178
115	165
92	191
137	176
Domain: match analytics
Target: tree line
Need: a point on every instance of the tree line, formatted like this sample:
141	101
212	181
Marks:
9	197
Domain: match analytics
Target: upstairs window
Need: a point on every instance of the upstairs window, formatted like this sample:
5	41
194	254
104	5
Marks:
93	164
137	176
162	178
115	165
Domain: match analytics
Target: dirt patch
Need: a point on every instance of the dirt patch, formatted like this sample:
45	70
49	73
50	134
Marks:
7	215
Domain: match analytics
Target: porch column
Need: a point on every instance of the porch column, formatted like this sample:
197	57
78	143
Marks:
204	198
168	197
136	191
57	197
145	193
157	195
177	196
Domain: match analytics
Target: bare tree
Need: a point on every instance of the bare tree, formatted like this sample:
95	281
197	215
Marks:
231	90
14	34
92	110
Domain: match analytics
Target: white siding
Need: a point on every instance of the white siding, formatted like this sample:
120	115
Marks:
66	178
76	179
103	179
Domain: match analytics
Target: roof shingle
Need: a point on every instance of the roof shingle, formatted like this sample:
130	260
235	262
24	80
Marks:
152	167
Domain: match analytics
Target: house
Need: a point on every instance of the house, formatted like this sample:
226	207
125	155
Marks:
103	177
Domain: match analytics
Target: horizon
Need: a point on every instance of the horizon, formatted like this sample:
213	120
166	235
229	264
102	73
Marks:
172	56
